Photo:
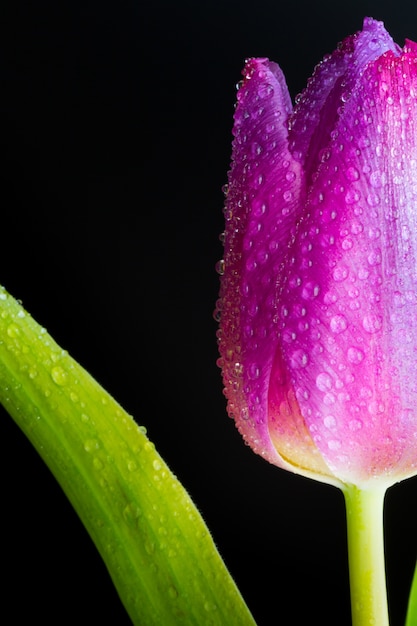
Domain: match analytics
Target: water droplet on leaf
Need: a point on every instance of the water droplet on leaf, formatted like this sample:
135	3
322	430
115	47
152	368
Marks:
59	375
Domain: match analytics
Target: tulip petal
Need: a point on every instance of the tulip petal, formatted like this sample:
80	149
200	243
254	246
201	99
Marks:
356	386
264	191
333	80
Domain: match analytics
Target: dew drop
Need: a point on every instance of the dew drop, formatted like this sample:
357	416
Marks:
131	513
217	315
352	196
373	199
363	273
131	466
377	179
405	233
324	381
329	421
353	292
374	233
13	331
59	375
256	148
371	323
91	444
310	290
334	444
259	209
356	228
340	273
329	399
220	265
253	371
299	359
374	257
355	355
156	465
338	324
259	181
376	408
352	173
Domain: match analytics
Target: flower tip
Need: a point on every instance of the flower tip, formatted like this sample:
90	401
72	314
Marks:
371	22
253	65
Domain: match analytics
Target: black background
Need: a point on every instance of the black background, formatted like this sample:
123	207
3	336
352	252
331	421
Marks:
115	131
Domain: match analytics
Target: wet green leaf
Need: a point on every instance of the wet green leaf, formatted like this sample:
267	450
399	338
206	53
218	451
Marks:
149	533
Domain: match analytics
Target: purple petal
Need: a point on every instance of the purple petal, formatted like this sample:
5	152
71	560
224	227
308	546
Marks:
264	190
353	353
332	83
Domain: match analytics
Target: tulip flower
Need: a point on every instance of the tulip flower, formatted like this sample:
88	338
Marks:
318	323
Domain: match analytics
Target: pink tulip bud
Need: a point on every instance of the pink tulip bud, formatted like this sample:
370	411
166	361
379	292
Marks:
318	299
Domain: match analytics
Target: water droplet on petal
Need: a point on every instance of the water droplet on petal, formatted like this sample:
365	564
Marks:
324	381
220	267
253	371
329	421
329	399
352	173
347	243
355	355
299	359
310	290
376	407
334	444
372	323
363	273
352	196
340	273
338	324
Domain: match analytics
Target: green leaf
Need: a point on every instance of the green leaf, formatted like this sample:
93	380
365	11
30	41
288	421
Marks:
412	603
149	533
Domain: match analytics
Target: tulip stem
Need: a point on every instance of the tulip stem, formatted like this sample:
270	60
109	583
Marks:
364	512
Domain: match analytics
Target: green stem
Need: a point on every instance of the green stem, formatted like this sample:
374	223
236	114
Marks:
149	533
412	603
364	512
